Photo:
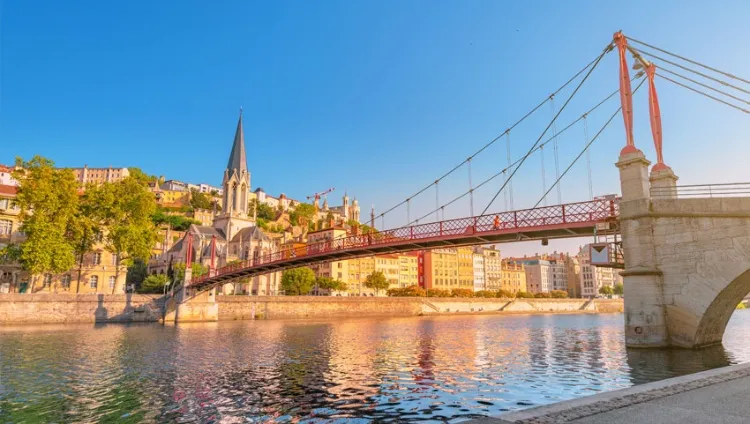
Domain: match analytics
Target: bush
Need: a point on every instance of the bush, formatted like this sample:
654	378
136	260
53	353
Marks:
524	295
542	295
411	291
485	293
462	293
438	293
504	294
153	284
558	294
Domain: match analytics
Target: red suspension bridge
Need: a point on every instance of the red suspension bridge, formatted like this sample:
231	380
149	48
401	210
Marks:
545	222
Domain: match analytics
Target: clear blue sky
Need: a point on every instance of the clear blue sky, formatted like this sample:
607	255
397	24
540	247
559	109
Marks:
377	98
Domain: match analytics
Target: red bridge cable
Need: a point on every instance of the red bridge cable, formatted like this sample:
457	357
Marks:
523	159
585	149
649	54
496	138
703	93
510	165
689	60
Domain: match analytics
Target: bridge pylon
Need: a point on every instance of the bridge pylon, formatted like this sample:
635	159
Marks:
191	305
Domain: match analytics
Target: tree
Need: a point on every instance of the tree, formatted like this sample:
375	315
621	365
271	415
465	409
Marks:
197	268
619	289
124	213
524	295
265	212
175	222
543	295
139	175
505	294
462	293
438	293
136	273
200	200
485	293
297	281
558	294
328	283
48	201
606	290
376	281
154	284
302	214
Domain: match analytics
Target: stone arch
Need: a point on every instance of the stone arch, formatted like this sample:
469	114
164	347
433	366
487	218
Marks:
714	321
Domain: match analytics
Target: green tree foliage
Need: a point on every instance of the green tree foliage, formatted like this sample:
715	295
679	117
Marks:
438	293
179	270
376	281
297	281
328	283
124	210
558	294
542	295
524	295
200	200
485	293
49	207
411	291
619	289
302	214
136	273
504	294
266	212
141	176
606	290
462	293
175	222
154	284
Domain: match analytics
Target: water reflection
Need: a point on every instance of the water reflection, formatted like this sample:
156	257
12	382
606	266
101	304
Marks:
406	369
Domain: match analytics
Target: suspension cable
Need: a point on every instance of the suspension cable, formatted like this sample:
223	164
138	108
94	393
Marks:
523	159
544	178
437	202
689	60
510	183
660	68
471	190
702	93
588	156
586	148
491	142
649	54
557	153
511	164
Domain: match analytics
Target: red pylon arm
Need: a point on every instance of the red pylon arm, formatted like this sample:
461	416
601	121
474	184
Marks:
626	94
655	114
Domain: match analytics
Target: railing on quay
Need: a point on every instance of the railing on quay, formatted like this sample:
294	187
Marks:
596	210
702	190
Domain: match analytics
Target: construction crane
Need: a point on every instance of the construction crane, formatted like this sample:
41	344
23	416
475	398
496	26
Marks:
316	197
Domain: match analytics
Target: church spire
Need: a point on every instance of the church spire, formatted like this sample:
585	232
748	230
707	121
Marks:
237	160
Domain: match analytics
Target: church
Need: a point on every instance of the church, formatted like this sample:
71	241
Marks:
234	229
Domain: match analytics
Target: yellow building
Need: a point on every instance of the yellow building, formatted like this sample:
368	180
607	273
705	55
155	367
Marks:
172	198
513	277
465	257
323	240
9	215
407	270
441	269
359	269
389	266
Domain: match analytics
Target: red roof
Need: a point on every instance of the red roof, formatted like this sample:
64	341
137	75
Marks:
8	189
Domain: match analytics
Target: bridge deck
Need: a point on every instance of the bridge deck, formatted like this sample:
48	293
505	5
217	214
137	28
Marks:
550	222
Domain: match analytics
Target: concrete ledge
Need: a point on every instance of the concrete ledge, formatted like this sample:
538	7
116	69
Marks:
604	402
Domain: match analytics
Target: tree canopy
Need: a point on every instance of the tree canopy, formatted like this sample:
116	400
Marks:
197	268
606	290
49	205
139	175
200	200
175	222
302	214
154	284
619	289
328	283
297	281
376	281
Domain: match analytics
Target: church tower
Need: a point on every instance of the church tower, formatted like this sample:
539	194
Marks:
235	214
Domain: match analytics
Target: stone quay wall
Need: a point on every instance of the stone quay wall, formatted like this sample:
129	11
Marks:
59	308
102	308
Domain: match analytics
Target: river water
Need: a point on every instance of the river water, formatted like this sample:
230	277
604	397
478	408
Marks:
354	370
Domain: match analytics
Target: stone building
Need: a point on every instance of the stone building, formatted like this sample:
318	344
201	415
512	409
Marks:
513	277
233	235
6	176
593	277
98	176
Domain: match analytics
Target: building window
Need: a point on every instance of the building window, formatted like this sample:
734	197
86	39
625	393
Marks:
4	203
339	275
114	259
66	281
96	258
94	281
47	280
6	226
112	282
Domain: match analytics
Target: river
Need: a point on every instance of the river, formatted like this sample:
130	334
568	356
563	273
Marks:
349	370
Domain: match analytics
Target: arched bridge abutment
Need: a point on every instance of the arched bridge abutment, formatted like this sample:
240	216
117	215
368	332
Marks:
687	260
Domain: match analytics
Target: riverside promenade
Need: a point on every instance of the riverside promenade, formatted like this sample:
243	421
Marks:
715	396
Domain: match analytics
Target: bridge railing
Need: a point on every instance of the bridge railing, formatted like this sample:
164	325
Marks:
559	215
702	190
